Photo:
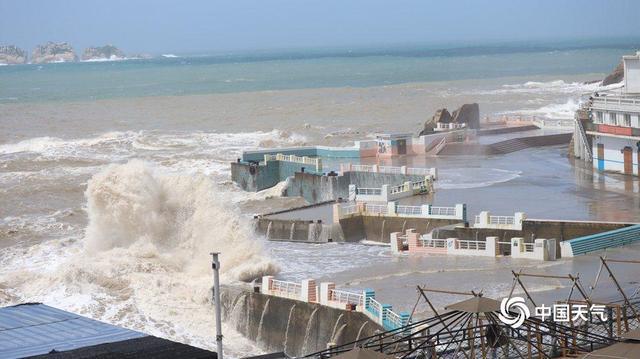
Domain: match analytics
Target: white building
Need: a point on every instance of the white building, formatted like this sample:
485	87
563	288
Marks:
614	129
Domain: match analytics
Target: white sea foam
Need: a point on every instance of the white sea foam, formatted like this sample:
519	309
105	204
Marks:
456	178
553	111
144	260
170	56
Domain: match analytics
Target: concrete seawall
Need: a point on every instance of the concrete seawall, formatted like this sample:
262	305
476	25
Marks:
379	228
279	324
299	230
503	147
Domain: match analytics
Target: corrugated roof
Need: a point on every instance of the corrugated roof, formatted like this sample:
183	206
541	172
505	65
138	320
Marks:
32	329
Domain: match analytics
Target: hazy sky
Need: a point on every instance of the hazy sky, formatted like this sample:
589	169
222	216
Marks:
208	25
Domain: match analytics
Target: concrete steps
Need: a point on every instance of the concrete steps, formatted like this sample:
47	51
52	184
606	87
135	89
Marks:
599	241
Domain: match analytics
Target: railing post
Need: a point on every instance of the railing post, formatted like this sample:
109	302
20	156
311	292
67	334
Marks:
425	210
384	308
391	208
396	243
412	239
461	211
374	168
491	246
308	291
484	219
352	192
403	170
325	292
451	245
318	165
265	288
404	319
518	220
408	186
386	191
366	295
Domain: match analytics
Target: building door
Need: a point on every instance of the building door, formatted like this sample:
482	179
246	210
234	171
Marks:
628	160
600	157
402	147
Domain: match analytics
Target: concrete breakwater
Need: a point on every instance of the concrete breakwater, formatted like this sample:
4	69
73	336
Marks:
280	324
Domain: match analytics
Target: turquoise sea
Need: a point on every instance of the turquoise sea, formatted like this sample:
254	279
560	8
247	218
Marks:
229	73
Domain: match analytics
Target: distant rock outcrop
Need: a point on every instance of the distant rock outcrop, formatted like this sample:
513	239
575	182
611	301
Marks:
616	76
107	52
12	55
53	52
467	113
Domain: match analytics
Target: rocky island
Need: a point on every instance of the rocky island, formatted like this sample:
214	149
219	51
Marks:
12	55
103	53
53	52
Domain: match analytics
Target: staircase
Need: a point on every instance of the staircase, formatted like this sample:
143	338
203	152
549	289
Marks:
517	144
583	142
599	241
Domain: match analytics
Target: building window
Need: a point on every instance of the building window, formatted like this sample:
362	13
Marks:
626	120
612	118
599	117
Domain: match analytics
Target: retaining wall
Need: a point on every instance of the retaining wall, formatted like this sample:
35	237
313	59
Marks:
279	324
299	230
379	228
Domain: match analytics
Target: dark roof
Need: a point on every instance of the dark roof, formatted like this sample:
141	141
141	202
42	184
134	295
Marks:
145	347
35	329
476	305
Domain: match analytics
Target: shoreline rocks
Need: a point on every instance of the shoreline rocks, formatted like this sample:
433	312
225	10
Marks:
467	113
616	76
12	55
102	53
53	52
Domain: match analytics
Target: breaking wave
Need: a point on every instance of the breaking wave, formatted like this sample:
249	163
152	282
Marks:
553	111
456	178
143	262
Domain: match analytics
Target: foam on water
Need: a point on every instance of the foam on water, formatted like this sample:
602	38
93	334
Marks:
143	261
469	177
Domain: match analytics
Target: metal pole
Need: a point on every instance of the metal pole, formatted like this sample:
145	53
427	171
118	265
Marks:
215	264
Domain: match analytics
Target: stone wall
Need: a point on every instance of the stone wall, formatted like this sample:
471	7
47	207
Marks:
279	324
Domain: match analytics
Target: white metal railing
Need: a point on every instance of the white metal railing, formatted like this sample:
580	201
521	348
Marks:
374	306
369	191
409	210
585	143
419	184
433	243
342	296
292	158
287	289
349	208
393	318
376	208
502	220
390	169
528	247
398	189
470	244
362	168
442	211
419	171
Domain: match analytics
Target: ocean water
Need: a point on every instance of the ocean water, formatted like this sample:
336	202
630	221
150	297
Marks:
115	176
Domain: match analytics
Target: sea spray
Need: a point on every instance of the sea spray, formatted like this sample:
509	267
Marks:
335	326
143	262
307	333
264	312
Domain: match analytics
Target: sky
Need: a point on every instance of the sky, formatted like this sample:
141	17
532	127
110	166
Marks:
210	26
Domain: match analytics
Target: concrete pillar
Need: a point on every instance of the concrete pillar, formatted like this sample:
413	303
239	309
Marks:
517	247
403	170
396	243
519	218
461	211
265	288
451	246
492	246
383	313
391	208
352	192
337	212
412	239
385	192
484	219
408	186
325	292
425	210
319	164
308	292
366	295
375	168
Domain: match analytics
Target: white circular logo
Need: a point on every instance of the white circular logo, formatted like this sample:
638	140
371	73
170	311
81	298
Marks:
513	312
